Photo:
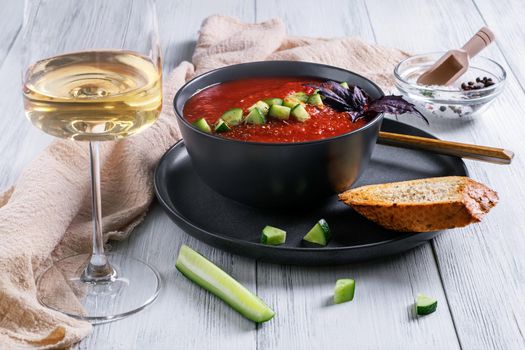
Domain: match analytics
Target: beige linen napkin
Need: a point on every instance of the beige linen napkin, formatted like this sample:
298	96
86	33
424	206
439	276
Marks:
46	216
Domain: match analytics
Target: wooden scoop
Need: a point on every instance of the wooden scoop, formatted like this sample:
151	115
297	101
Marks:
463	150
455	62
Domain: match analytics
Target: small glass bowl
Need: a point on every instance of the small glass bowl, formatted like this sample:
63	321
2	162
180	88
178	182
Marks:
449	101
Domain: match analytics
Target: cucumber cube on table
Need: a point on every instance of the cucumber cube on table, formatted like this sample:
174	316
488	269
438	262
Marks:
344	290
273	236
425	305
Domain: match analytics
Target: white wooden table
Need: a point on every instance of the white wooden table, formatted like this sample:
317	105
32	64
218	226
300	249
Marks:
477	273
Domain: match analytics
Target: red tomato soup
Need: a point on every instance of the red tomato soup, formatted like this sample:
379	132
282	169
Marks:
212	102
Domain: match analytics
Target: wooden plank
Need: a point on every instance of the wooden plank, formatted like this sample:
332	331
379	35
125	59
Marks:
20	142
185	316
482	266
334	18
509	32
10	25
381	316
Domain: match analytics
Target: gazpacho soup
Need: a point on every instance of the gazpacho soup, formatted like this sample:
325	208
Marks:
274	110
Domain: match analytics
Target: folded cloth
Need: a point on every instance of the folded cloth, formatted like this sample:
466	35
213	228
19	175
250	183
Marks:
46	215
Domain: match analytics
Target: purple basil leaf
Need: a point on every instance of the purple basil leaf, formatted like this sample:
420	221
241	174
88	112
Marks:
355	115
394	105
355	101
359	98
339	90
332	99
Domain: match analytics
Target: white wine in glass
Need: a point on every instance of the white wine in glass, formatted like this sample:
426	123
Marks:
93	95
93	73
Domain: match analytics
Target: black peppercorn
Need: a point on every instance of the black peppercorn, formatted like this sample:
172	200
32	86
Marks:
480	83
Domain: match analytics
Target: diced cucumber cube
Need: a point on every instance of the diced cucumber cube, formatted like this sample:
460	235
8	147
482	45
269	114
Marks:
279	112
319	234
300	113
301	96
221	126
344	84
425	305
315	100
344	290
263	106
255	117
232	116
273	101
291	102
273	235
210	277
202	125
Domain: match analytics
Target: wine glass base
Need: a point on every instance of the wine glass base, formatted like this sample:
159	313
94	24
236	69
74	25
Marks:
135	286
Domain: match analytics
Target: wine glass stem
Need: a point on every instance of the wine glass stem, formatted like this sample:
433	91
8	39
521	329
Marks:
98	269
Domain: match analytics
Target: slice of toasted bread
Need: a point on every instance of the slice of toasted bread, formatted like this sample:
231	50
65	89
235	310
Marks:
423	205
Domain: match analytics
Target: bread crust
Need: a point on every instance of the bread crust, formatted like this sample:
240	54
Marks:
468	203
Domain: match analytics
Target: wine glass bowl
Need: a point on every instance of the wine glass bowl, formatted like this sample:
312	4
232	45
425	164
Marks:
92	72
93	95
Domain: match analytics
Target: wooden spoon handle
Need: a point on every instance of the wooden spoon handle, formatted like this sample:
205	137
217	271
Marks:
479	41
463	150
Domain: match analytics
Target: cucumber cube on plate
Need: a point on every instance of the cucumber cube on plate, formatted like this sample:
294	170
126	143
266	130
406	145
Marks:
221	126
255	117
279	112
300	113
273	236
232	116
344	84
344	290
319	234
425	305
202	125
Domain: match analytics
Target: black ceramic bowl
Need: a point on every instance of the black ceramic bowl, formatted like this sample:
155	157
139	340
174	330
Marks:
278	174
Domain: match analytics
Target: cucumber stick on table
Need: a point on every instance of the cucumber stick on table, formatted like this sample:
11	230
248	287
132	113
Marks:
210	277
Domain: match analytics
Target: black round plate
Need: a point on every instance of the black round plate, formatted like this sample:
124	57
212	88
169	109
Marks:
236	228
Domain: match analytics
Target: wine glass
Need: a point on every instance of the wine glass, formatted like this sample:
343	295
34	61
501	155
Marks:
93	73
